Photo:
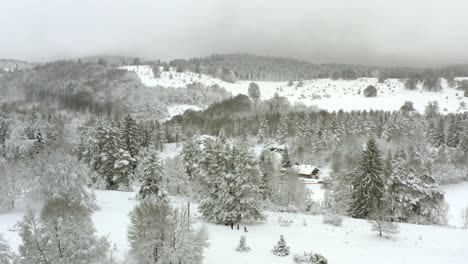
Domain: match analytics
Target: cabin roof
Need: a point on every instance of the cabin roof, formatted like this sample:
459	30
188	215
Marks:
304	169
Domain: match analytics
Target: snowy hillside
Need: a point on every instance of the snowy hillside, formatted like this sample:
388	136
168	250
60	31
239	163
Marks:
327	94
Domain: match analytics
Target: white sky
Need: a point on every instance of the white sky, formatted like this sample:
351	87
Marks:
390	32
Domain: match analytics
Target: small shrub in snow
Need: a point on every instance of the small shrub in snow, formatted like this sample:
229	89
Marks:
281	249
382	224
314	208
6	254
370	91
242	247
464	216
333	219
284	222
310	258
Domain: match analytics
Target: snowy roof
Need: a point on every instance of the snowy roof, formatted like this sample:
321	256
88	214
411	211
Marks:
275	146
304	169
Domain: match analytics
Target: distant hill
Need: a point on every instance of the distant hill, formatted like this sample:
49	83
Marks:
266	68
12	65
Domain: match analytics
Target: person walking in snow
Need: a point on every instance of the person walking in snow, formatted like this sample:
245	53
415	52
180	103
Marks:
237	226
245	229
232	226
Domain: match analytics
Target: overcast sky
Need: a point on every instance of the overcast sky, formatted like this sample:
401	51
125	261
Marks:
390	32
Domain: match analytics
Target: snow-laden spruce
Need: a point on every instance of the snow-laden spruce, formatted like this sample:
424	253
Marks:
367	182
230	184
281	249
150	174
242	246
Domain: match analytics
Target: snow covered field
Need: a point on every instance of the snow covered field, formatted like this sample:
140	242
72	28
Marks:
332	95
354	242
456	195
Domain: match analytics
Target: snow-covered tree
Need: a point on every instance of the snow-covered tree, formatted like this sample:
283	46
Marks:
13	180
254	92
160	137
190	154
230	185
150	174
463	145
464	217
123	170
103	151
4	130
310	258
285	161
242	246
61	176
6	254
367	182
63	233
282	129
222	136
370	91
453	132
129	135
381	222
262	133
159	234
267	171
176	180
289	192
281	249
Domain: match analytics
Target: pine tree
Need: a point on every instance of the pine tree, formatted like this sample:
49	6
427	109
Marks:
242	247
147	135
453	132
282	130
285	161
267	170
222	136
150	174
463	145
399	194
367	183
263	131
104	152
123	170
4	130
160	137
129	136
230	184
281	249
190	154
437	135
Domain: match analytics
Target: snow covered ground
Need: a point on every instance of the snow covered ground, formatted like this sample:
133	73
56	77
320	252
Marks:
456	196
332	95
354	242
